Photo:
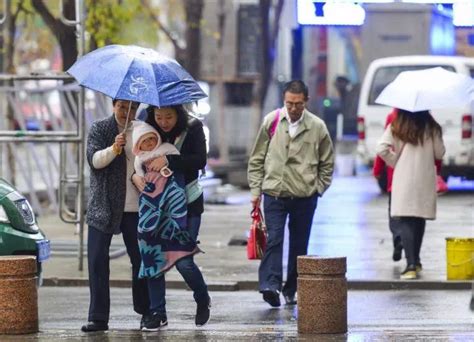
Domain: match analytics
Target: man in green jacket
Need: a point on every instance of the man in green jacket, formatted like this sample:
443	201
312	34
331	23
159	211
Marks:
291	165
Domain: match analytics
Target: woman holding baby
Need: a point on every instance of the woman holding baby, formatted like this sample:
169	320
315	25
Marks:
186	133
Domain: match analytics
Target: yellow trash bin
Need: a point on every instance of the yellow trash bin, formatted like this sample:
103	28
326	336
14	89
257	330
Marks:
460	258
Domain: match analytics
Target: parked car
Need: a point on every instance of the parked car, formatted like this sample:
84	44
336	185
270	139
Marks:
19	232
457	124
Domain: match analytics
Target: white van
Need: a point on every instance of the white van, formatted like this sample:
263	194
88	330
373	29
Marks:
457	125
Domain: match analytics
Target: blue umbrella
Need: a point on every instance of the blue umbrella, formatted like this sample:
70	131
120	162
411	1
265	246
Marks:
136	74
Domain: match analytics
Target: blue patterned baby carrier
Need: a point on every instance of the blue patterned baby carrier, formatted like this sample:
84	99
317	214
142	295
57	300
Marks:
163	238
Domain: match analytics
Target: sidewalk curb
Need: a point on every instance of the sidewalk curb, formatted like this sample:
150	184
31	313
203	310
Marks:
408	285
253	285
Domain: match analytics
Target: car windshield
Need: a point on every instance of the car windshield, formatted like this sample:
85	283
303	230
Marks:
385	75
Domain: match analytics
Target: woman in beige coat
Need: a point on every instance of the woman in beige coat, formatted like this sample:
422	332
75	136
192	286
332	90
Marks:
410	145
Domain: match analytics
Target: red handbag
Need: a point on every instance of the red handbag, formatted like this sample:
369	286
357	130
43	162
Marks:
441	186
257	238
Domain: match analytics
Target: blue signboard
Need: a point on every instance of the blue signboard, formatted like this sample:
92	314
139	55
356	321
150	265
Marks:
470	39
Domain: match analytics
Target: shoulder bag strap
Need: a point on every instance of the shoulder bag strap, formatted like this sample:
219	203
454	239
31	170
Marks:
180	139
273	126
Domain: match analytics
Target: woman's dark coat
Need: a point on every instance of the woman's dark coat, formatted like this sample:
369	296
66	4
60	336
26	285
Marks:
192	158
108	185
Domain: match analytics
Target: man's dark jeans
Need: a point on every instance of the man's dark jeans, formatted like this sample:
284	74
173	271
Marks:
276	210
98	245
188	270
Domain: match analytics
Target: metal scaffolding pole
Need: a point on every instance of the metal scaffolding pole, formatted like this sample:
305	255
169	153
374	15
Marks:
79	23
61	137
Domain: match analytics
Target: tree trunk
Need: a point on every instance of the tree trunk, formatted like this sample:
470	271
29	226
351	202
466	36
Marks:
267	58
223	143
9	68
269	31
65	35
192	58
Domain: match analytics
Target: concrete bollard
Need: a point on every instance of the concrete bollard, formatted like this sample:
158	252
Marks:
18	295
322	295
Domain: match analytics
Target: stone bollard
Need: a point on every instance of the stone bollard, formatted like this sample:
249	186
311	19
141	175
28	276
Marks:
18	295
322	295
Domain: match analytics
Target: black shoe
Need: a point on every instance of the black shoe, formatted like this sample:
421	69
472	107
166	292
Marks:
95	326
290	299
144	319
272	297
397	252
203	313
155	322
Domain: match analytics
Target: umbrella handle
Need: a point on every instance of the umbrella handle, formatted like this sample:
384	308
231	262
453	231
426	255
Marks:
126	124
128	117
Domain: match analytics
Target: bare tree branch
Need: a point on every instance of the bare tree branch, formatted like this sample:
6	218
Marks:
193	9
65	35
269	37
48	18
10	41
276	21
156	19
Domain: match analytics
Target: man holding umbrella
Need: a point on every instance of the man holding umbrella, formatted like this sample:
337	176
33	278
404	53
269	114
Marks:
112	209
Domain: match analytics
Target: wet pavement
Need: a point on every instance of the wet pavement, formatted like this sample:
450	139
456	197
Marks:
401	315
351	220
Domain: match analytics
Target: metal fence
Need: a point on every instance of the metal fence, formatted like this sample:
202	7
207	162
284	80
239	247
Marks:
47	107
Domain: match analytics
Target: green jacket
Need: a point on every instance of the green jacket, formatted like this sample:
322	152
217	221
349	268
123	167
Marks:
291	167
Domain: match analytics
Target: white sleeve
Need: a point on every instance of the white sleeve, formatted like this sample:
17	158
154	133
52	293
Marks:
103	158
385	147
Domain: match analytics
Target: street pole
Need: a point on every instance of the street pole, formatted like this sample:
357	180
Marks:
82	127
8	68
79	23
223	142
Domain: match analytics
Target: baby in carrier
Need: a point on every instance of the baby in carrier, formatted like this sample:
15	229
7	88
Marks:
146	147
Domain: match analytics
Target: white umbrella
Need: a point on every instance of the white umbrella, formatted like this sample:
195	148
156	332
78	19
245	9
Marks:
426	89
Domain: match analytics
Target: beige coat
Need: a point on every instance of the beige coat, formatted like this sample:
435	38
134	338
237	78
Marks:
414	176
287	166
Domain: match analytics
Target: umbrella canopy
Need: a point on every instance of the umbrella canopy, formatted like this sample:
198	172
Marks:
426	89
136	74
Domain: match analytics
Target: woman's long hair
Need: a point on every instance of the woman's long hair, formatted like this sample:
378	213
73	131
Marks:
414	127
181	123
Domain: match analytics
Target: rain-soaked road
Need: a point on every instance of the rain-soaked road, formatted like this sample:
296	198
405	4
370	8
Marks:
351	220
242	315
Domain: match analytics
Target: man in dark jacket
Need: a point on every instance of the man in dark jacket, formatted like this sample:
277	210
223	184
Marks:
112	209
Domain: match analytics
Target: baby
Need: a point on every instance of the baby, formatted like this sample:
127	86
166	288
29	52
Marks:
146	147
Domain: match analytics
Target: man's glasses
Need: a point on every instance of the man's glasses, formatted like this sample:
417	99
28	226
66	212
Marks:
297	105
